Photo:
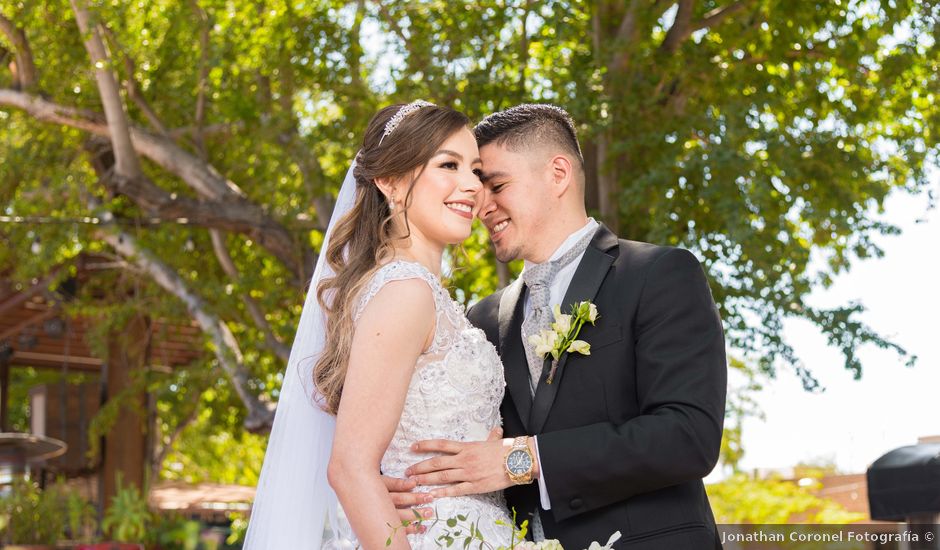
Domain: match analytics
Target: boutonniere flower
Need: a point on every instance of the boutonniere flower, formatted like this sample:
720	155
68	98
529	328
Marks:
563	335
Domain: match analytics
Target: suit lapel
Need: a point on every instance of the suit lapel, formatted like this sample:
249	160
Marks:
584	286
511	307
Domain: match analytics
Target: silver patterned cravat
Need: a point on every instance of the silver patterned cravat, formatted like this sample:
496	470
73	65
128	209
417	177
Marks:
538	279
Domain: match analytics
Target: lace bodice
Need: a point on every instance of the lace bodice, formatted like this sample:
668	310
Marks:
455	393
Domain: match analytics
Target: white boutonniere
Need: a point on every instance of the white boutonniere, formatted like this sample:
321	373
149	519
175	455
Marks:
563	335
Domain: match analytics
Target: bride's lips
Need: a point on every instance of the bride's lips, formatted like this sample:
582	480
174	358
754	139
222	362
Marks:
463	209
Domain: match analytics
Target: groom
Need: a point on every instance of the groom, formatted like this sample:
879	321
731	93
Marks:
621	439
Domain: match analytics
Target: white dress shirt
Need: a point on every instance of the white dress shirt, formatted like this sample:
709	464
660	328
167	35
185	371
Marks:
557	291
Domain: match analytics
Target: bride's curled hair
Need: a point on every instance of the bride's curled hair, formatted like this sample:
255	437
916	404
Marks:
362	240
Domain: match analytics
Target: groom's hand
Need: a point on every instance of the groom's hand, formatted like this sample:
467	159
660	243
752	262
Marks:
407	502
467	468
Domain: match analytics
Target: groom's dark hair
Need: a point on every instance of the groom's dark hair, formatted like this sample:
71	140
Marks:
530	124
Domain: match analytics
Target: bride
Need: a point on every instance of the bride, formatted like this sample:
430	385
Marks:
383	355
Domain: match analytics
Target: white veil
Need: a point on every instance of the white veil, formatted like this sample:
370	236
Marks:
293	497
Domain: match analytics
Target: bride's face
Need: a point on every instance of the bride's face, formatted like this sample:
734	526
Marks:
446	196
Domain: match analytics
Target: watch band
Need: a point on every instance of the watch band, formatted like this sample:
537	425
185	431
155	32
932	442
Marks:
520	444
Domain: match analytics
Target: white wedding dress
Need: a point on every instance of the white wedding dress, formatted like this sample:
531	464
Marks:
455	393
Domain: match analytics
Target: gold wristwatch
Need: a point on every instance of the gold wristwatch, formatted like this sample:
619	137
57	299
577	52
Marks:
519	461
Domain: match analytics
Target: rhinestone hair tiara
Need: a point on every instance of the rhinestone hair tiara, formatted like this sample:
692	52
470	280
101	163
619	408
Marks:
401	114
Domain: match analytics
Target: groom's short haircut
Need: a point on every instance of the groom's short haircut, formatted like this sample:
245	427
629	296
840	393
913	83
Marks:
528	125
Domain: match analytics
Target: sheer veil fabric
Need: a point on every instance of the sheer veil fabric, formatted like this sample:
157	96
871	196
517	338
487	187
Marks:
294	498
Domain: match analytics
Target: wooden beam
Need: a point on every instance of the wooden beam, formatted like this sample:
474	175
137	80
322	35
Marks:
4	390
27	358
20	297
38	318
55	361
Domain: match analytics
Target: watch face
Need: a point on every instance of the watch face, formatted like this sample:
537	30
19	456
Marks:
518	462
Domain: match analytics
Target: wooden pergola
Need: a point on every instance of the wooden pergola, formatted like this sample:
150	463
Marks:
37	332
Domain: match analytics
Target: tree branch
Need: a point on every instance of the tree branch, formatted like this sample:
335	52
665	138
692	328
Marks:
225	346
625	38
355	50
418	60
25	67
717	15
212	129
126	162
681	28
810	53
393	23
167	446
133	87
164	205
523	49
198	137
201	176
254	309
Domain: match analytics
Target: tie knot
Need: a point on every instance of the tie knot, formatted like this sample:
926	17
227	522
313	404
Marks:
540	275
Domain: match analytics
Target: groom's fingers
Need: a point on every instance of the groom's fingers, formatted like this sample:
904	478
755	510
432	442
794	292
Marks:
442	477
495	433
438	446
456	490
436	464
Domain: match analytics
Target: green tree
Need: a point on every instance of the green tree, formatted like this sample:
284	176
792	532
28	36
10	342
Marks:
772	499
200	144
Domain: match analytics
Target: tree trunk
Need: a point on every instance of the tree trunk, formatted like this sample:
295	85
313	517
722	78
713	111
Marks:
125	447
606	184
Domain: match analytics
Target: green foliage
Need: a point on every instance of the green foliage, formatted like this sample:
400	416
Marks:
766	141
745	499
30	515
214	447
745	381
239	528
128	518
22	380
174	532
81	515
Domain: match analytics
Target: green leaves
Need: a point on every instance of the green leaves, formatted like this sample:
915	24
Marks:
766	142
127	519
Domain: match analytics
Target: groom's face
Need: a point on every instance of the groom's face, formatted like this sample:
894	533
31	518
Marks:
516	200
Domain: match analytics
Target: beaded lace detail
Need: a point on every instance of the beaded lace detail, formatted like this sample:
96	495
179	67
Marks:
455	393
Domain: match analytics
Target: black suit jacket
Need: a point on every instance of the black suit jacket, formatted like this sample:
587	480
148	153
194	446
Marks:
626	434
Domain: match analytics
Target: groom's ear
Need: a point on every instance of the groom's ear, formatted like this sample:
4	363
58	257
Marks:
563	176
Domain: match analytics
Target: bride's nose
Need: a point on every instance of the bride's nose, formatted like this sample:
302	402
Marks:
471	184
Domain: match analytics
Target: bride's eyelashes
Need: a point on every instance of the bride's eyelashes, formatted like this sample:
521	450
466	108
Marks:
454	165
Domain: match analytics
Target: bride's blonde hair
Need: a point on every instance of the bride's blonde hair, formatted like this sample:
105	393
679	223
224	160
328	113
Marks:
362	240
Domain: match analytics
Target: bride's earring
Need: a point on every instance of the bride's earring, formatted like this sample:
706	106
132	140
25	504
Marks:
391	204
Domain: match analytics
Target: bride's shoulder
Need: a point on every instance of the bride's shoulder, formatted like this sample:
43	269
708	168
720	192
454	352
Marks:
402	284
402	269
